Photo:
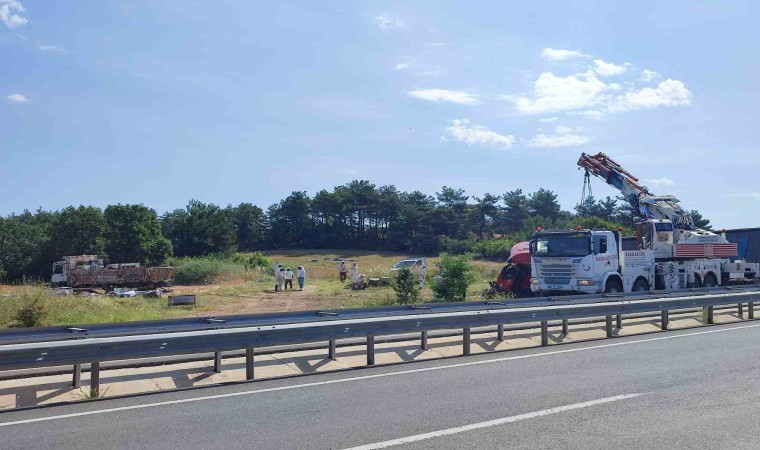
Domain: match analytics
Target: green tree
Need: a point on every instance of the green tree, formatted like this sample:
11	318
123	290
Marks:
699	220
405	286
199	229
515	210
544	203
20	244
487	210
79	231
456	275
249	225
133	234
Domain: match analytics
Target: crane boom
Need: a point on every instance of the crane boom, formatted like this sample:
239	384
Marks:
650	206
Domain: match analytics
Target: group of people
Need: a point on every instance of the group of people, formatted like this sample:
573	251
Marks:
284	277
343	272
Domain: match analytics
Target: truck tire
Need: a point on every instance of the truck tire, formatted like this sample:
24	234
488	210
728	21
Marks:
709	281
640	286
613	286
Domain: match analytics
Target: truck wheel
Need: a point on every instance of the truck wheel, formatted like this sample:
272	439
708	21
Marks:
612	286
640	286
709	281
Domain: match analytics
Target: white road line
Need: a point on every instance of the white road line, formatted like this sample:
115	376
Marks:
492	423
370	377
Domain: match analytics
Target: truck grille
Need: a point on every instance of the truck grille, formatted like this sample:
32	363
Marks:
556	273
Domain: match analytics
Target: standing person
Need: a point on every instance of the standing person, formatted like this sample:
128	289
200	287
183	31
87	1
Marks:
277	271
342	270
423	272
288	275
354	272
301	277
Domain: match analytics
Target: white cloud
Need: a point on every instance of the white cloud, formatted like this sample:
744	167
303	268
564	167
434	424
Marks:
7	7
443	95
558	140
461	130
553	93
667	93
49	48
561	129
548	119
402	66
605	69
386	22
592	114
648	75
753	195
17	98
559	55
437	44
429	73
660	182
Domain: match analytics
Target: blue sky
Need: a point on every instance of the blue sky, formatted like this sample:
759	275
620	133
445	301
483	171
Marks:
158	102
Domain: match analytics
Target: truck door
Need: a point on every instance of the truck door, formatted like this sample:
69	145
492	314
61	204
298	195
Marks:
605	253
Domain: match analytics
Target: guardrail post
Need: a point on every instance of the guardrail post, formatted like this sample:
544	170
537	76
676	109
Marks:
565	326
500	332
750	310
423	341
544	333
466	341
218	362
664	320
710	315
94	378
249	363
741	311
370	349
619	321
77	378
331	349
608	326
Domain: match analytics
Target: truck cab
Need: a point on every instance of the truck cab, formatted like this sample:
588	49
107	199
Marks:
587	262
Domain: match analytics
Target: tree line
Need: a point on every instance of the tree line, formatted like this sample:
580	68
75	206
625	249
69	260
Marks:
357	215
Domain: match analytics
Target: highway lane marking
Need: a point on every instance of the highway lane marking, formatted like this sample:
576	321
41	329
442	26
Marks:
370	377
492	423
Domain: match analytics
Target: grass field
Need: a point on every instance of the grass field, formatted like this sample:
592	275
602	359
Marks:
240	291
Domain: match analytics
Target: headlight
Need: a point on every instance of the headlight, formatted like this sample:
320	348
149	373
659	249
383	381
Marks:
586	282
535	281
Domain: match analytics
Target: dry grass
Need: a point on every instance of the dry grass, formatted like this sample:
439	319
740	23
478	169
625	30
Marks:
252	291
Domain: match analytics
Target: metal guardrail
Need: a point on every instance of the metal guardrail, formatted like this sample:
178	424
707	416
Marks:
96	350
79	331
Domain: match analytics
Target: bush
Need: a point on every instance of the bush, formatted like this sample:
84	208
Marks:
255	260
204	270
455	246
31	309
455	276
405	286
494	248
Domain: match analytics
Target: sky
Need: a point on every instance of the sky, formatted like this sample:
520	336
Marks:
160	102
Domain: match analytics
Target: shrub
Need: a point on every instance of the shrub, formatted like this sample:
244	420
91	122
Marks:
31	309
455	276
405	286
494	248
204	270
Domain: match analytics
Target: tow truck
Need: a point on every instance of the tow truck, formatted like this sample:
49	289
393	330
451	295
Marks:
672	252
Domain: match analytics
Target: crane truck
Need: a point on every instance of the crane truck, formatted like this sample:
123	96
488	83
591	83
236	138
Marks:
673	253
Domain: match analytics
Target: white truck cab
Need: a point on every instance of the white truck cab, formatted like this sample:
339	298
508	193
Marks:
586	261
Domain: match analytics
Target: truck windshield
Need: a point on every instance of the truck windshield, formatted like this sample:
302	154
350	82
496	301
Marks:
562	246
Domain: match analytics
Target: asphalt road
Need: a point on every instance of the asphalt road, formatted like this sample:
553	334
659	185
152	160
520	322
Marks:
684	389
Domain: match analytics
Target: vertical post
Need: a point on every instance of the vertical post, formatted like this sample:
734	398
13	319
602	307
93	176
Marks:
500	332
741	311
710	318
466	341
423	341
664	320
608	326
77	378
94	377
370	349
218	362
331	349
750	310
544	333
249	363
619	321
565	326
